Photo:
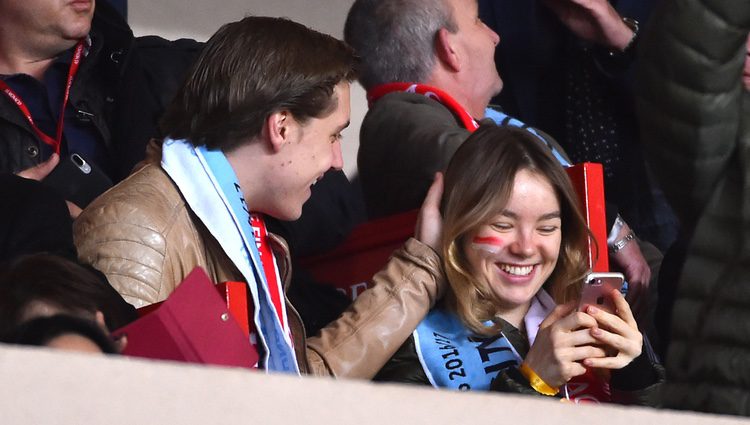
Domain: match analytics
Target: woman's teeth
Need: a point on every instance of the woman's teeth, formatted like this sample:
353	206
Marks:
516	270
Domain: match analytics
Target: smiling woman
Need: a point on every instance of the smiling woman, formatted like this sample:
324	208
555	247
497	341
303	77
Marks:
514	253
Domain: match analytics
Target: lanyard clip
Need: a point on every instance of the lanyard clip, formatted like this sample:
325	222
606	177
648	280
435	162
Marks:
83	116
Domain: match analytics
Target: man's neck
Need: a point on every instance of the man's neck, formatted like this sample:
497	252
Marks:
447	83
31	57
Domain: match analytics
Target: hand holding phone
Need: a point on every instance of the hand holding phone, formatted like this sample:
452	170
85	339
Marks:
78	180
597	290
616	331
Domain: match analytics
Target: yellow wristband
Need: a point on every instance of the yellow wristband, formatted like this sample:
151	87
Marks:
536	382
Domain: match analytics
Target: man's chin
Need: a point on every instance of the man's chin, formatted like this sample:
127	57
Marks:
77	32
290	215
498	87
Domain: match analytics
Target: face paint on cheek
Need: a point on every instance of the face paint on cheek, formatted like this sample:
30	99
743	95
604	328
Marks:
487	245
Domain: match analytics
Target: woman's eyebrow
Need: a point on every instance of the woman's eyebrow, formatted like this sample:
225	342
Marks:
547	216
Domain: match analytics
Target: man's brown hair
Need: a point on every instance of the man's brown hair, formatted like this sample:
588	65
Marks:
250	69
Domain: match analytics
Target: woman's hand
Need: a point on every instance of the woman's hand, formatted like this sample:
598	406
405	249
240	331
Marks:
429	221
618	331
564	340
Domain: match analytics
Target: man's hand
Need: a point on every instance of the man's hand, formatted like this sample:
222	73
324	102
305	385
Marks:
595	21
637	273
74	210
430	222
40	171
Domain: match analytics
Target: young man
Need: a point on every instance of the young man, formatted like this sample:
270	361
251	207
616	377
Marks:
256	124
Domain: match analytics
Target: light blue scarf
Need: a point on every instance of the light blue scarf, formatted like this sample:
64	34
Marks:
453	357
208	184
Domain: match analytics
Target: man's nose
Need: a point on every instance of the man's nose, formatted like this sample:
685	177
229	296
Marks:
493	35
338	157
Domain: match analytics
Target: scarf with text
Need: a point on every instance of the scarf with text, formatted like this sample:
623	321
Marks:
453	357
208	183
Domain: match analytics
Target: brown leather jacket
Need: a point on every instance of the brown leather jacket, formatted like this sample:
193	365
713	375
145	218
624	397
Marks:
145	239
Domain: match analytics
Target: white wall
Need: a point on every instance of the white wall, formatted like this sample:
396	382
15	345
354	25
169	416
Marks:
199	19
39	386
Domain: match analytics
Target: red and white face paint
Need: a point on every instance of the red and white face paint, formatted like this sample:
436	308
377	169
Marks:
487	245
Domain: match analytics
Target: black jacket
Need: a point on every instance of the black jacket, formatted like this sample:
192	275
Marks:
123	86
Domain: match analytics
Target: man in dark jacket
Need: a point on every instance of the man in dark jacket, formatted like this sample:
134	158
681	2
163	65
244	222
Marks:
118	86
693	109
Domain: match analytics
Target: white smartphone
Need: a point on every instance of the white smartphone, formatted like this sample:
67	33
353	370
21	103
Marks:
597	288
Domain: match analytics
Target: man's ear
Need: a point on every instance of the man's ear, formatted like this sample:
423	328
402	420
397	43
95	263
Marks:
278	129
446	50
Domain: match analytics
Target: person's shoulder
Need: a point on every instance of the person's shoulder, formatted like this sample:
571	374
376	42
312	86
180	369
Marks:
165	62
405	102
108	21
401	112
146	199
157	43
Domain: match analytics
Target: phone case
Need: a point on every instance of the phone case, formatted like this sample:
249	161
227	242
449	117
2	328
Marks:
78	180
596	290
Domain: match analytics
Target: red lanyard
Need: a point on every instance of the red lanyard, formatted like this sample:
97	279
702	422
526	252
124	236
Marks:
260	235
54	143
433	93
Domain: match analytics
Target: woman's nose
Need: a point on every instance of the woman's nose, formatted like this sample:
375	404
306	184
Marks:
522	245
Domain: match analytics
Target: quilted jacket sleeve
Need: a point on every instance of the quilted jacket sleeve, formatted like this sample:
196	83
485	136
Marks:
689	96
369	332
126	234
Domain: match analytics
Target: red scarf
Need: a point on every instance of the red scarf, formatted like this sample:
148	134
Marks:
434	93
270	269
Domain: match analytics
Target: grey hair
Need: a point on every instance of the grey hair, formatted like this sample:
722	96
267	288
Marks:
395	39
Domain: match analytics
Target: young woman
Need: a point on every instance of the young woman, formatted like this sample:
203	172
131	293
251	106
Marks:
514	251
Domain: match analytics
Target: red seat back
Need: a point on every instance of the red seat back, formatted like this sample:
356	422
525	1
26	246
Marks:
351	265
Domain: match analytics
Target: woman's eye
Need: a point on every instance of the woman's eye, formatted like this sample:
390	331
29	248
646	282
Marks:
546	230
501	226
336	138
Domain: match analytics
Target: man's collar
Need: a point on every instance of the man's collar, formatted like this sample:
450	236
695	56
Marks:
67	56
